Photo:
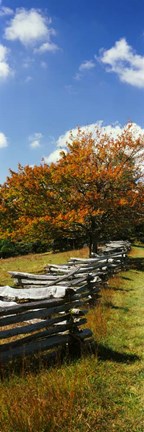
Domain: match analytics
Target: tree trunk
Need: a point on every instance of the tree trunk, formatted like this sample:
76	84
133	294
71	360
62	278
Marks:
93	246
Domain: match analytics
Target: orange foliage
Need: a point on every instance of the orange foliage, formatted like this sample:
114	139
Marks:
95	189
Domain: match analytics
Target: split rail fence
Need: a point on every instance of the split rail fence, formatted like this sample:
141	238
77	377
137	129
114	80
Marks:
49	310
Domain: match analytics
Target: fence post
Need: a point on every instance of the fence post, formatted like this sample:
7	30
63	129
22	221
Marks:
93	291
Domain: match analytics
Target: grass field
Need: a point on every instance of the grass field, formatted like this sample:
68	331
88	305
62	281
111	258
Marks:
102	391
35	263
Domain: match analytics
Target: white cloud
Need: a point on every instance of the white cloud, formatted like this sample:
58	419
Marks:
63	139
30	27
35	144
46	47
123	60
77	76
114	130
53	157
3	140
5	69
4	11
35	140
86	65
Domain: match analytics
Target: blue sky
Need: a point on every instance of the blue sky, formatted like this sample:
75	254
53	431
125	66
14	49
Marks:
63	64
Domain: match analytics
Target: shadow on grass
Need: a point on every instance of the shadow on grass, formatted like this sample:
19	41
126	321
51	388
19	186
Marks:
105	353
126	278
102	352
116	289
112	306
66	356
138	246
137	263
33	365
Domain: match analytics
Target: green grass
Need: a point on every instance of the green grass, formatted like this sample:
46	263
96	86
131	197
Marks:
34	263
100	392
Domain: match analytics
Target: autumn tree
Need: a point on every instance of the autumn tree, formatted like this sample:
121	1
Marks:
99	184
95	191
27	205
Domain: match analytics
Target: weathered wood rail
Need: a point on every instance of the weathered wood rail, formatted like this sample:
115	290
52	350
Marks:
100	267
29	327
47	311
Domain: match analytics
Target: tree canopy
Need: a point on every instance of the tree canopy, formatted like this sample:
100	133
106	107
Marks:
95	191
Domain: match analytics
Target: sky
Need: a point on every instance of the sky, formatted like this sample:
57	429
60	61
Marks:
64	64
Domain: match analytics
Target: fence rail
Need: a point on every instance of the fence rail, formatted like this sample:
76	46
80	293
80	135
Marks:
49	310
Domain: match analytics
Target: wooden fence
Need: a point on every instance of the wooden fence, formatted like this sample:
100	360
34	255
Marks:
46	311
